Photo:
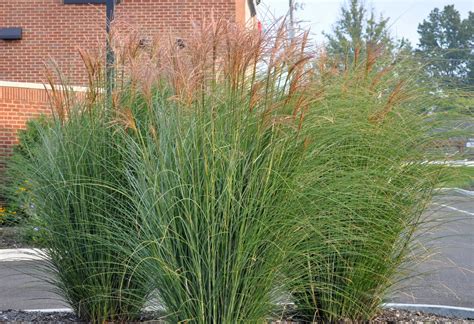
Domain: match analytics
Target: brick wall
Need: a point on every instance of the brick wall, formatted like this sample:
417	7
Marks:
53	31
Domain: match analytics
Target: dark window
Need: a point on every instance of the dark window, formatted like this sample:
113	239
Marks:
11	33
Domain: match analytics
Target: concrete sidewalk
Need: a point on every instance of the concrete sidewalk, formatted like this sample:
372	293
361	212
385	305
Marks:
448	280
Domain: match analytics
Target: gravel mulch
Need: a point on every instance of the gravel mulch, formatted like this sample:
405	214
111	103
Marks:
15	316
391	315
387	316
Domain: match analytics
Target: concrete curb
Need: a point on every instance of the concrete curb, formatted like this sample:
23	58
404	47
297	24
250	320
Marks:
46	310
11	255
455	163
459	190
441	310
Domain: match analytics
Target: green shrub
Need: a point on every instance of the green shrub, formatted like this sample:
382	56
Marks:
16	187
30	136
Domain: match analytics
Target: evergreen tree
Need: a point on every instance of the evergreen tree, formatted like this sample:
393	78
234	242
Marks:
357	31
447	45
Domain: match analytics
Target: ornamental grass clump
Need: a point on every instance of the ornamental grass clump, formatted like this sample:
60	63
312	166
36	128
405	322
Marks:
76	181
227	173
211	155
174	191
363	193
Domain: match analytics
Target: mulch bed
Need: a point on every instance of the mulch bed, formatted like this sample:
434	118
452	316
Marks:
10	238
391	315
387	316
15	316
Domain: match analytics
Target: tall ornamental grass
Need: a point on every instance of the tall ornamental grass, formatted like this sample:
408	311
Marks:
212	154
76	180
363	192
227	173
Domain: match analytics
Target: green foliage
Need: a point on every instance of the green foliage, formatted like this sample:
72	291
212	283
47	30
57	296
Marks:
456	177
355	31
30	136
227	174
445	49
8	216
210	177
446	43
207	189
16	188
455	102
32	233
363	191
74	173
451	114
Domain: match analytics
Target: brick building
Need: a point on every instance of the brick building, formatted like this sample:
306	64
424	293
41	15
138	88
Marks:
34	32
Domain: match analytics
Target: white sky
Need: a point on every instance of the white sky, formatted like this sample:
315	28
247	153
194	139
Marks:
405	15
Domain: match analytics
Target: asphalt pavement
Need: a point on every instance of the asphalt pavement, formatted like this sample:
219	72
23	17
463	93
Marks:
447	277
